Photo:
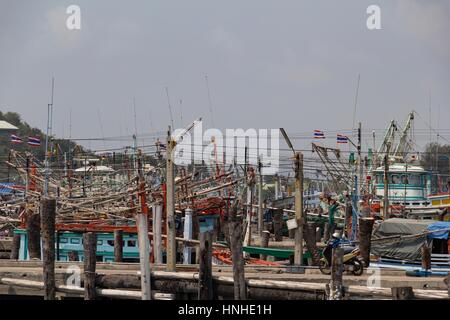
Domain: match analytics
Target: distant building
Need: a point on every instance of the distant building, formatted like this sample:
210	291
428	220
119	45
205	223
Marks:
7	129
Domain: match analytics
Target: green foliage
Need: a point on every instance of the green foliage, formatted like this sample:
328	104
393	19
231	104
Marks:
24	131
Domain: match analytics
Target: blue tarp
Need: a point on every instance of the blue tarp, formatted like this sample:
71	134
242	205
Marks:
439	226
5	188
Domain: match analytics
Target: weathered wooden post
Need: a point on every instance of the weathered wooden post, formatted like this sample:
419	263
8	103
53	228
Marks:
171	251
205	283
299	215
337	269
278	224
426	257
157	239
15	247
144	254
34	236
402	293
118	245
48	210
265	243
260	200
240	290
188	236
310	238
90	249
365	237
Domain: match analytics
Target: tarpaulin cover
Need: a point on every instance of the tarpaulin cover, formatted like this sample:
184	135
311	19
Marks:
401	249
440	225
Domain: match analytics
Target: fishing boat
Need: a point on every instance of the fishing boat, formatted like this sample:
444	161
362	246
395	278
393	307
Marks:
69	246
408	185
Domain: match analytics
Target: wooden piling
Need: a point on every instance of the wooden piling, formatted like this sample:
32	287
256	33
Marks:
402	293
337	268
34	236
48	210
118	245
426	257
15	247
205	283
278	224
310	239
265	243
240	290
90	249
157	227
144	255
365	237
171	251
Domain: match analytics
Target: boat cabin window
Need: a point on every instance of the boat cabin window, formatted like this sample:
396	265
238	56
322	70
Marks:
74	240
415	180
395	179
110	242
405	179
131	243
99	242
379	179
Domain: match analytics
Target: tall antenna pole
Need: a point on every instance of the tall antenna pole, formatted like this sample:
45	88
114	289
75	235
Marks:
209	101
135	139
181	112
49	132
101	128
170	107
356	101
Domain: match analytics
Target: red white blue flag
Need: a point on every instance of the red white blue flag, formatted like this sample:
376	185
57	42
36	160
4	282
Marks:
16	139
34	141
342	139
318	134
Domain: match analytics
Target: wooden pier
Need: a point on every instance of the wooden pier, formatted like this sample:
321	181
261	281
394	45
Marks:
122	281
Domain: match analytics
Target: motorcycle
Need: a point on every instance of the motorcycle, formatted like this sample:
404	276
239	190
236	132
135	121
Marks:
351	261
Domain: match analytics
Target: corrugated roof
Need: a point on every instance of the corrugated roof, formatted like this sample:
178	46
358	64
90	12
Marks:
7	126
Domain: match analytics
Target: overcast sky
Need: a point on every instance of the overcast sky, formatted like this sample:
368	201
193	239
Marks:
270	64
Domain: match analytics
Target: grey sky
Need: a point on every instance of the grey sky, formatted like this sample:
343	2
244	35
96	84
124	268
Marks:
269	63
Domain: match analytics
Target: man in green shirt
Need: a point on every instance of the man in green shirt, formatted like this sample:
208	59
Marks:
332	208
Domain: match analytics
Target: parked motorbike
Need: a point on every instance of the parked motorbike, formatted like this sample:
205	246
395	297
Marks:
351	261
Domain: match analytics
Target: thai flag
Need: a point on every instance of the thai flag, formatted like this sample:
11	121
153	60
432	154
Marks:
162	146
16	139
342	139
319	134
34	141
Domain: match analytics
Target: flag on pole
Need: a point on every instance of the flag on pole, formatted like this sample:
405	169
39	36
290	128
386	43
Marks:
319	134
34	141
342	139
16	139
